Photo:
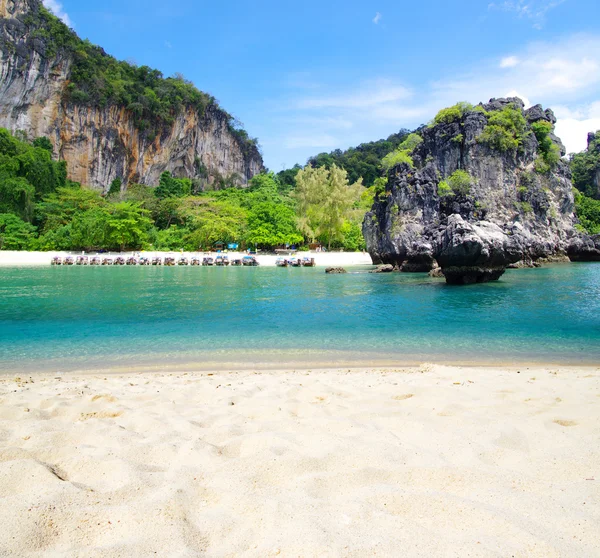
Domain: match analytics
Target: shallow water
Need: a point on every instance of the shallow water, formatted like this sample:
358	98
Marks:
58	319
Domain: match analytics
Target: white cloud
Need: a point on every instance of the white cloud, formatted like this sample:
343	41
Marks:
574	124
377	18
57	9
533	10
563	75
509	62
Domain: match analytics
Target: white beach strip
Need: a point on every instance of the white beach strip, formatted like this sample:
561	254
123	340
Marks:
322	259
429	461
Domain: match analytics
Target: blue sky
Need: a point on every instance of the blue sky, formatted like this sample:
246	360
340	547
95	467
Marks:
313	76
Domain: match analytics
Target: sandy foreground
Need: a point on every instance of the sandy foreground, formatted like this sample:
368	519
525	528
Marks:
424	461
322	259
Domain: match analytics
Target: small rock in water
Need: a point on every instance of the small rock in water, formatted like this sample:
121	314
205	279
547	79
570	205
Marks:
387	268
335	270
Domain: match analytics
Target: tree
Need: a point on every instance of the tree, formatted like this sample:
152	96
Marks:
15	234
325	200
271	224
127	226
170	187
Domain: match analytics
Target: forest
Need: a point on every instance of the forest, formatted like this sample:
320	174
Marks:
40	209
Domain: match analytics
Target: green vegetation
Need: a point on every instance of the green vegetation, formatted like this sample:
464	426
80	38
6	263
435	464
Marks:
588	211
326	202
506	129
41	210
550	153
458	183
452	114
586	168
403	153
363	161
99	80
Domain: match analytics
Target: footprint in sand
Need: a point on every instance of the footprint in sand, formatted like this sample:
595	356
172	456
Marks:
565	422
403	397
107	398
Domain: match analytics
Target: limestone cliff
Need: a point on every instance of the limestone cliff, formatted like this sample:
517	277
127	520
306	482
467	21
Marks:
514	209
102	143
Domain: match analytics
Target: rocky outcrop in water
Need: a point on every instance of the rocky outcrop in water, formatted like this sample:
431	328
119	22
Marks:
103	143
513	209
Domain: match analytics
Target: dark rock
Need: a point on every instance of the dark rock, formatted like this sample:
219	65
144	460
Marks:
335	270
584	249
385	268
510	213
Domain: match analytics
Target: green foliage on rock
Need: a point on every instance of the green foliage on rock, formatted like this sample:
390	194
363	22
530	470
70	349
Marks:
396	158
549	151
585	167
506	129
452	114
458	183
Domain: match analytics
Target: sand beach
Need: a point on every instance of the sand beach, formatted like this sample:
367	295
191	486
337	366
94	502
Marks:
421	461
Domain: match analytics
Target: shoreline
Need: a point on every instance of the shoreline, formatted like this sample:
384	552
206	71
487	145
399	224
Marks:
322	259
440	460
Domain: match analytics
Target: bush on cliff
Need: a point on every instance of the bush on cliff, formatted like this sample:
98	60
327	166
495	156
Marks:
549	151
458	183
506	129
452	114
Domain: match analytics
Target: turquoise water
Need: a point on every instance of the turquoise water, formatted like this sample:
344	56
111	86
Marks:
58	319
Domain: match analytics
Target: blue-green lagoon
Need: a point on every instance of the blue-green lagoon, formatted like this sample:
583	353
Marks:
78	318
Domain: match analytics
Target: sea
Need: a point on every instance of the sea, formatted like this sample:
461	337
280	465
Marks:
64	319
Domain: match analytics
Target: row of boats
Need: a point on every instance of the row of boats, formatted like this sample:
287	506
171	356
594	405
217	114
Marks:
222	261
295	262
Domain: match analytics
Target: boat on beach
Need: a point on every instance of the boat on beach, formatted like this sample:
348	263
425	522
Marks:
281	262
96	261
236	263
183	261
107	261
250	261
169	262
82	260
144	261
68	261
195	261
132	261
222	261
119	261
56	261
308	262
157	261
208	261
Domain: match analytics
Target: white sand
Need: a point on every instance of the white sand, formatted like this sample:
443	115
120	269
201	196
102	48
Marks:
430	461
322	259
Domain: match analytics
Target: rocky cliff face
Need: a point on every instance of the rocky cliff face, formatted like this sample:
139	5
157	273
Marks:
511	211
101	144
